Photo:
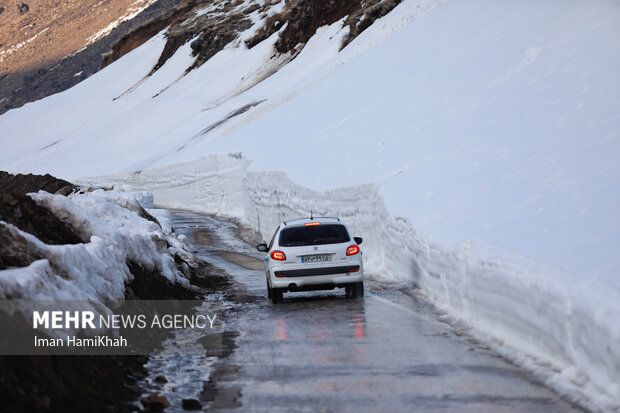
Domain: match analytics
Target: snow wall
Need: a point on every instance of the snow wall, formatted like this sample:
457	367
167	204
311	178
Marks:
563	329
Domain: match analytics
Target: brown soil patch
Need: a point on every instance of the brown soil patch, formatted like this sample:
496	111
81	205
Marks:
43	76
36	32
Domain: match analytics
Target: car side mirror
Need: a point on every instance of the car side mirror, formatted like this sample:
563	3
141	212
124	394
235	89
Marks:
358	240
262	247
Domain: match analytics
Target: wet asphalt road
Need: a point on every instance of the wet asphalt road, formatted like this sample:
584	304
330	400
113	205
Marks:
319	352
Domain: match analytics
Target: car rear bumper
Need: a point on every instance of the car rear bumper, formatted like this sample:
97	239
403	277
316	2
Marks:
309	272
299	279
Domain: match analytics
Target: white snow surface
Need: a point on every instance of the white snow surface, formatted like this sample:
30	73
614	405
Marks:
473	145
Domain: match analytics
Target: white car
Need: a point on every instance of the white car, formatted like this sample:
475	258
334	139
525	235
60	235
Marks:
314	253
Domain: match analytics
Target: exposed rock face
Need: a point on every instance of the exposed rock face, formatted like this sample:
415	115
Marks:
221	23
308	15
211	31
305	16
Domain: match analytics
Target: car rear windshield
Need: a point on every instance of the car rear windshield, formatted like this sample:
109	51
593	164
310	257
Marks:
313	235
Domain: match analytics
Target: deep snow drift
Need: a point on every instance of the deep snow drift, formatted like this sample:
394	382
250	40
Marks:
476	143
96	270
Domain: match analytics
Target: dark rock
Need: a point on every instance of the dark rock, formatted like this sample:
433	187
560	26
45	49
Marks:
197	45
23	8
191	404
1	11
155	402
161	379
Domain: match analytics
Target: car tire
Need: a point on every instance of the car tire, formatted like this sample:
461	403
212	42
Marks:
349	290
268	289
355	290
277	296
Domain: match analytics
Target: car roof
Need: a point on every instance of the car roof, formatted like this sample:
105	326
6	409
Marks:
302	221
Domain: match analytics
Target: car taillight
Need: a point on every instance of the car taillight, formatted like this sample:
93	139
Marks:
353	249
278	256
312	224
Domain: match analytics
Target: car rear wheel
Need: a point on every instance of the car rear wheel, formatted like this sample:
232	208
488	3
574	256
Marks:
277	295
355	290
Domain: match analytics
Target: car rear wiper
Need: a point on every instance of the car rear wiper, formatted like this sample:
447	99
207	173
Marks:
325	240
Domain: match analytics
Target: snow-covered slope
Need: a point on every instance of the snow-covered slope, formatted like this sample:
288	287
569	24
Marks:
478	143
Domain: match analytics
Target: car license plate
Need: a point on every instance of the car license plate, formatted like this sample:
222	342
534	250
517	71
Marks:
316	258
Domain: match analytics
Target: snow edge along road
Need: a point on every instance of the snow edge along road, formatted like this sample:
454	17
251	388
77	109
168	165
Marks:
561	328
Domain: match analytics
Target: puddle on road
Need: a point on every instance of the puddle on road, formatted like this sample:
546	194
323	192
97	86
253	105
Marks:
242	260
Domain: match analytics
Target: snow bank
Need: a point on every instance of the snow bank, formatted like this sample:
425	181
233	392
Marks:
95	270
561	327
